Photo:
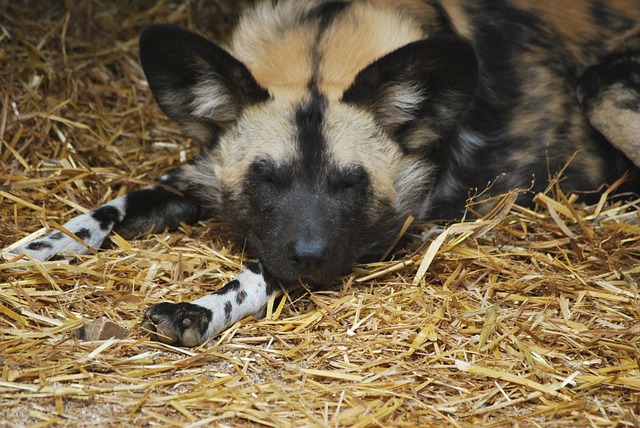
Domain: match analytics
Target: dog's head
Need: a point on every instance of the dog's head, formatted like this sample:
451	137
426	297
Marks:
314	171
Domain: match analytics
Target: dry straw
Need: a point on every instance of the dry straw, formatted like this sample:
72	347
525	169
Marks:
529	317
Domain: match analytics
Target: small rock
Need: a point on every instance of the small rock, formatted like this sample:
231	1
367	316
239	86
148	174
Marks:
100	329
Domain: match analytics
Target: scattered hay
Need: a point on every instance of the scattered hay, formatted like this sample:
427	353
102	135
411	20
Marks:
530	317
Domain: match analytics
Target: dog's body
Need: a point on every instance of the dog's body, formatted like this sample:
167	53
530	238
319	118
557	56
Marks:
325	124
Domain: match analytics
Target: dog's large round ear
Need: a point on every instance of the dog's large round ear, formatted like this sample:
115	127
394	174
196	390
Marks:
419	90
196	82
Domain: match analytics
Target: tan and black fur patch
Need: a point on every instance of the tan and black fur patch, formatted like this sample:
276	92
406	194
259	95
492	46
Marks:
326	124
344	117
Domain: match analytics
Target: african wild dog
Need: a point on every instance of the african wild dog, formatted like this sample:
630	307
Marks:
324	124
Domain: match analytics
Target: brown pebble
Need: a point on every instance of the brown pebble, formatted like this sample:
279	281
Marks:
100	329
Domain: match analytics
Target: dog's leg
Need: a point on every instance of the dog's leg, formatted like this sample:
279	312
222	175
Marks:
192	324
610	96
146	210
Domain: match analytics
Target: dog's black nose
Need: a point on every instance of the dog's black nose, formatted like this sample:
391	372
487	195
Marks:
307	255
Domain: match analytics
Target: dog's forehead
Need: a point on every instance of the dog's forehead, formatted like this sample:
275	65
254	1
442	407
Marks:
265	130
347	134
353	136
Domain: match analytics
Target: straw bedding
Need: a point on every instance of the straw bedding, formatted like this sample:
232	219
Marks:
525	318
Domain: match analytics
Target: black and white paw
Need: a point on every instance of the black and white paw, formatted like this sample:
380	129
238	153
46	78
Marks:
90	230
180	324
56	243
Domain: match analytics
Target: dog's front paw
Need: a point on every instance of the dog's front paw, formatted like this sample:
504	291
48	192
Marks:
54	244
180	324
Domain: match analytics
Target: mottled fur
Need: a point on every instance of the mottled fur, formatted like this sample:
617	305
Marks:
325	124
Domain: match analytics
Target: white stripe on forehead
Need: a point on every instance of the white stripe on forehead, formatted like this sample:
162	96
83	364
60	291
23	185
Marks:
353	137
265	130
